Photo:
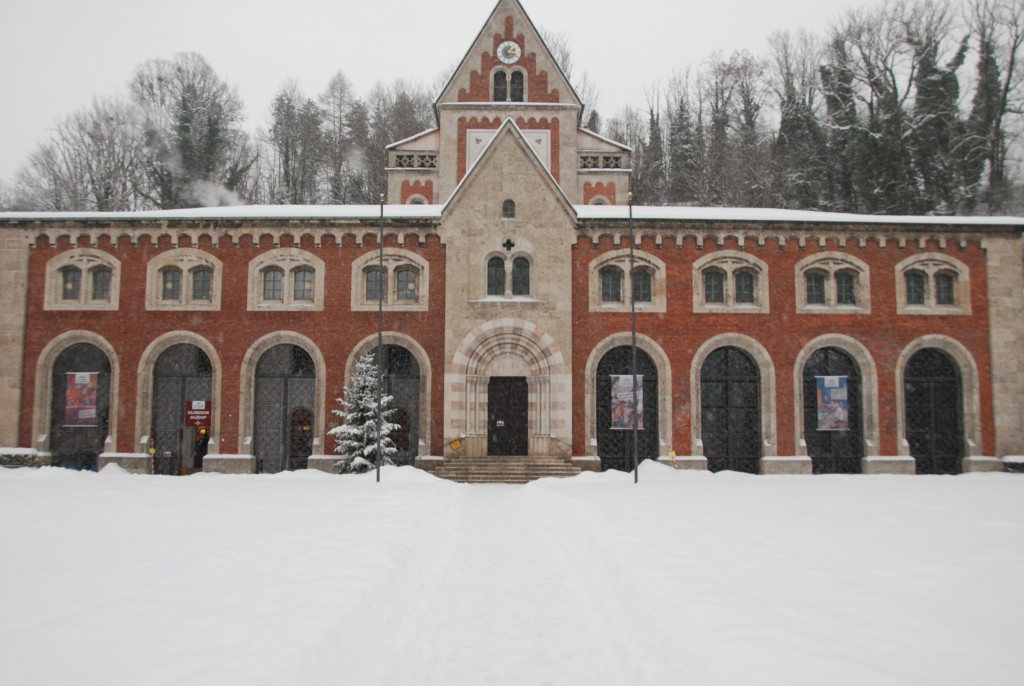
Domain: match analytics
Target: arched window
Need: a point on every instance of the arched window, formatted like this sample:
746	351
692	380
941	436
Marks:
846	287
815	283
611	285
170	278
642	290
71	283
517	89
407	285
495	276
202	283
500	86
303	282
915	282
945	288
508	209
101	278
745	286
520	276
273	284
375	284
714	286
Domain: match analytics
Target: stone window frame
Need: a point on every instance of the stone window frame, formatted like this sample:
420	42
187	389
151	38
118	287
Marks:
509	261
188	261
730	263
509	72
607	272
395	260
830	264
933	264
87	261
620	260
287	261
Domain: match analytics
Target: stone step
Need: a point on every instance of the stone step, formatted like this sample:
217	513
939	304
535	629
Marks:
509	470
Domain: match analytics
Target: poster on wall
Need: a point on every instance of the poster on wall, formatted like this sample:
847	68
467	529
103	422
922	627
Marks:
623	409
80	394
833	404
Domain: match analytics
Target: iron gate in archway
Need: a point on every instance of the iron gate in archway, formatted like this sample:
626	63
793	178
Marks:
730	411
181	374
402	383
79	406
833	451
933	398
283	418
615	444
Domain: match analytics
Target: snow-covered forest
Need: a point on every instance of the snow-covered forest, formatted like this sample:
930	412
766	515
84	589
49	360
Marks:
906	107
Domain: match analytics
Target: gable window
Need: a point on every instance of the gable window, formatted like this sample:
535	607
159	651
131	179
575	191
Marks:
495	276
500	86
508	209
170	277
829	280
932	283
273	284
520	276
611	285
517	90
71	283
82	279
303	277
101	279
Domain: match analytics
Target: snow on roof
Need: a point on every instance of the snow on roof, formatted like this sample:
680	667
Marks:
241	212
760	214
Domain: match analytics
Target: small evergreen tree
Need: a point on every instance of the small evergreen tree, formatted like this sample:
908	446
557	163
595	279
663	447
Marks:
357	437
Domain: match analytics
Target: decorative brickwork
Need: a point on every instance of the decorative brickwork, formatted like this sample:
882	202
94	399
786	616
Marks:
598	190
422	189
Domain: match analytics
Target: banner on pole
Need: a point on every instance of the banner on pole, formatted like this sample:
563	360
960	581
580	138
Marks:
833	403
80	393
623	409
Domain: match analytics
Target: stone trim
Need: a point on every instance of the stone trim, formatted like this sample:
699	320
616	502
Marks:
931	263
620	259
730	262
831	263
394	260
766	367
42	408
288	260
86	260
188	260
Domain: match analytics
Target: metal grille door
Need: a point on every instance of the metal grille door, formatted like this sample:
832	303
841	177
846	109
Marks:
615	446
833	452
182	373
730	411
402	383
285	393
933	399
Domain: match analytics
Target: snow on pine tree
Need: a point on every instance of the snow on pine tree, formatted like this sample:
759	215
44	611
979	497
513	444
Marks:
357	436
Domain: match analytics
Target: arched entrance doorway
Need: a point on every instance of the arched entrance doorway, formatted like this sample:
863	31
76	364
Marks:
182	378
835	437
402	383
285	393
79	406
730	411
614	421
933	398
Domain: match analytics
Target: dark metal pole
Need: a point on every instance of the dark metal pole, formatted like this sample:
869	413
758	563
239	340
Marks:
632	307
380	325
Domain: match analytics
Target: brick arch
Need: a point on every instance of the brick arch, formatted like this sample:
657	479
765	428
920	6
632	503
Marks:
411	189
42	406
248	384
592	191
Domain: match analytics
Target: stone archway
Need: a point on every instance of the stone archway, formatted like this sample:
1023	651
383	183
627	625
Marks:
508	348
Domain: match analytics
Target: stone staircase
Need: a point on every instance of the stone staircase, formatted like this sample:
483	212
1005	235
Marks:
503	470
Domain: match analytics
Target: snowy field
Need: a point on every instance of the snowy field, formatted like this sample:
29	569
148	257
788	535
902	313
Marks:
687	578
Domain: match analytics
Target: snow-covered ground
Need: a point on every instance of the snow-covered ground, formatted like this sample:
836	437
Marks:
686	578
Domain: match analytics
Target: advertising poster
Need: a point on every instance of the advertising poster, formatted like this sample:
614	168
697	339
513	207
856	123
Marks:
622	402
833	404
80	398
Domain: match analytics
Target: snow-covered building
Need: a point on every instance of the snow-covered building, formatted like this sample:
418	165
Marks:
767	341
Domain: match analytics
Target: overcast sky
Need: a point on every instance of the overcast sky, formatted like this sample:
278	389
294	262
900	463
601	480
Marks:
59	54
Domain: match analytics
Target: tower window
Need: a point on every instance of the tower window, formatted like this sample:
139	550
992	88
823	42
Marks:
500	86
517	87
508	209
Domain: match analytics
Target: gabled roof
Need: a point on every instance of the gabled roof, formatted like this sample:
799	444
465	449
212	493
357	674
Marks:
509	128
481	41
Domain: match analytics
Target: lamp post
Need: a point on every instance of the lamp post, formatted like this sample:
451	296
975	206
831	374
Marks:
380	323
632	308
